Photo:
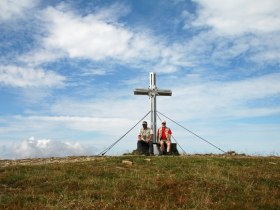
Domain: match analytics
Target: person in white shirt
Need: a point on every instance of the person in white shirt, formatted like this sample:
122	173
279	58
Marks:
145	138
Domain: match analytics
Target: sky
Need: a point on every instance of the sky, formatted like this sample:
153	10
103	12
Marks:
68	70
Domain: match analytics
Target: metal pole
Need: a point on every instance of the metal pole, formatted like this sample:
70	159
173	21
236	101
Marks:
153	104
155	122
153	117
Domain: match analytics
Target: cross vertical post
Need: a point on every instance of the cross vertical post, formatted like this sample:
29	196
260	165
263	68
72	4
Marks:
153	92
153	105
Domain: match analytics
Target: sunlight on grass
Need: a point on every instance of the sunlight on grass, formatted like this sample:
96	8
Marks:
186	182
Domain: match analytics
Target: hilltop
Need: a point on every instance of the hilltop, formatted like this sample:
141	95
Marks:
140	182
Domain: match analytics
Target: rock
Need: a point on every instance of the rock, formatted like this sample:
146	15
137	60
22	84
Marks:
127	162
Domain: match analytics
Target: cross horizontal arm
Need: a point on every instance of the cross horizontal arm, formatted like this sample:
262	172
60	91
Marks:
164	92
139	91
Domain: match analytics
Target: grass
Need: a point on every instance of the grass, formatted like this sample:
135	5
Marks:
182	182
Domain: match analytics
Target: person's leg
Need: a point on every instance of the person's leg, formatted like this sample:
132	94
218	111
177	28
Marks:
168	143
151	148
162	147
139	146
146	148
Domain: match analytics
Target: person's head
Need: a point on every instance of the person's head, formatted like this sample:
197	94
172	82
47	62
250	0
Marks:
145	125
163	123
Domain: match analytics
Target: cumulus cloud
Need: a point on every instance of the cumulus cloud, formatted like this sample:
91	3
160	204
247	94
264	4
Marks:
91	38
29	77
13	8
246	30
101	36
35	148
236	17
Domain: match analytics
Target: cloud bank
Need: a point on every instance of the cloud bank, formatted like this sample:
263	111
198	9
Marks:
35	148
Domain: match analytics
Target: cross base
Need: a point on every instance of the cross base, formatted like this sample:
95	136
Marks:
145	150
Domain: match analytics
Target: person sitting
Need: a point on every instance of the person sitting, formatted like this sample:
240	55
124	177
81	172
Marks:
145	138
164	137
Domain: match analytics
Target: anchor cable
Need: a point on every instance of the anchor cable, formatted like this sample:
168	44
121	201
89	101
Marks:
193	133
112	145
184	152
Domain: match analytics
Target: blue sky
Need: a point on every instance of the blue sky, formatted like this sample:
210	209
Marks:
68	70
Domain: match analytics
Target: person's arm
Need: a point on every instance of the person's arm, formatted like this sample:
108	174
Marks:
157	135
151	135
139	136
169	135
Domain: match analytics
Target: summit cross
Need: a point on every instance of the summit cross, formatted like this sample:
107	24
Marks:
153	92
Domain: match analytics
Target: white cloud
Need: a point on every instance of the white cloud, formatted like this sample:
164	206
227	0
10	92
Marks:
193	103
173	58
93	38
236	17
13	8
200	99
105	125
39	56
206	99
112	13
29	77
64	125
34	148
247	30
99	36
267	49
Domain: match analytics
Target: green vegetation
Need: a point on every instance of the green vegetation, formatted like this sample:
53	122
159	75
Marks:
181	182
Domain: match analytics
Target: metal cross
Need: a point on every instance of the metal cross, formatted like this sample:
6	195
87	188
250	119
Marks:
153	92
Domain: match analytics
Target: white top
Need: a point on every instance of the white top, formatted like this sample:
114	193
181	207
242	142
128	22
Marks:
145	133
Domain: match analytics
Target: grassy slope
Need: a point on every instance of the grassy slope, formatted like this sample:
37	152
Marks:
189	182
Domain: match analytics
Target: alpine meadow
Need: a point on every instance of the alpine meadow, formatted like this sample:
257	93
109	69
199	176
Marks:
140	182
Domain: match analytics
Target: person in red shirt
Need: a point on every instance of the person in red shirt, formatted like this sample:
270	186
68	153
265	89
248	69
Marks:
164	137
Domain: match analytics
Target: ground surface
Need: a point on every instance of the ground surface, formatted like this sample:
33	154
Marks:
139	182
